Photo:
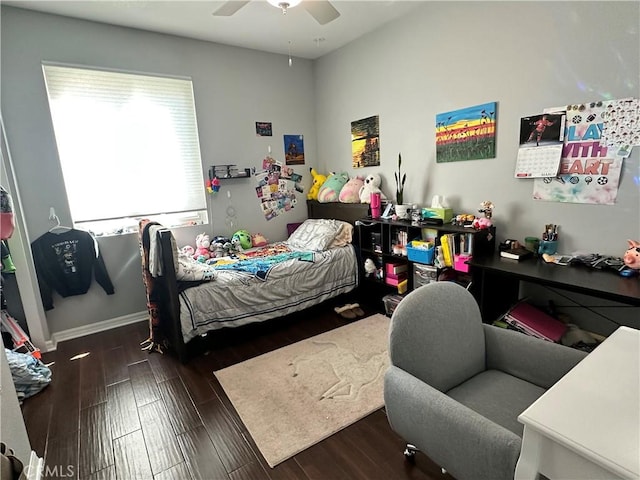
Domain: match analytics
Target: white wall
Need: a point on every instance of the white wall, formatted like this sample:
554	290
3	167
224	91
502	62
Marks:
233	88
444	56
450	55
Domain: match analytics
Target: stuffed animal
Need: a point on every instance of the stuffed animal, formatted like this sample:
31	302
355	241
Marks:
350	193
370	268
258	240
331	188
220	247
202	252
371	185
631	257
188	250
318	180
241	240
481	223
486	207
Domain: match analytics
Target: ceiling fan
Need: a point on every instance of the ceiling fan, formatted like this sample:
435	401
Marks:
321	10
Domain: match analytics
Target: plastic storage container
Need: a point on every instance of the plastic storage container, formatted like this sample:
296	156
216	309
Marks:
390	303
419	254
424	274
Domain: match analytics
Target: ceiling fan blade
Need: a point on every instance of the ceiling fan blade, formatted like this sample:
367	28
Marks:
229	8
321	10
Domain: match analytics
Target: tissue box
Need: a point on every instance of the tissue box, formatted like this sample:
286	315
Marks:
446	214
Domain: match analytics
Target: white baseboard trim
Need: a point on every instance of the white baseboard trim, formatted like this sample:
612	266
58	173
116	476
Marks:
94	328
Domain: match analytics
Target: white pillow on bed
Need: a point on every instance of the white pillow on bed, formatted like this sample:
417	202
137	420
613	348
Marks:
321	234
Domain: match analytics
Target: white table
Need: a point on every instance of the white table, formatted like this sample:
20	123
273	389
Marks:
587	426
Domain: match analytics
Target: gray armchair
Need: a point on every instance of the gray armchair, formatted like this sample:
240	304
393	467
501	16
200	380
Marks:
456	386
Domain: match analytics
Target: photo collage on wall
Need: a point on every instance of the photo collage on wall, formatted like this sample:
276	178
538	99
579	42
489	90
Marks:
277	187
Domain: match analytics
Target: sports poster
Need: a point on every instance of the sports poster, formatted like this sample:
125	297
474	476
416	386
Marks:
277	187
589	169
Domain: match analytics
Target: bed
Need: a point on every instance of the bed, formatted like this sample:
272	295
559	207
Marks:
316	263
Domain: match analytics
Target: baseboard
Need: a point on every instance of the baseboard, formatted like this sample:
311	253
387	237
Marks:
94	328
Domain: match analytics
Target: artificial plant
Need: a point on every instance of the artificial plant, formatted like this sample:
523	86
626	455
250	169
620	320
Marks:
400	179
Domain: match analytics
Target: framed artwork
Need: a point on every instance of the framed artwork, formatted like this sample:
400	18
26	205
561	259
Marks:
466	134
263	129
365	142
294	149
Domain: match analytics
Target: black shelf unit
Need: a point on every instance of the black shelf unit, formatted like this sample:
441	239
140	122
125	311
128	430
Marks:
376	238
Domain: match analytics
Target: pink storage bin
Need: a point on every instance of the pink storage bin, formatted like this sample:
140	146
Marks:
459	263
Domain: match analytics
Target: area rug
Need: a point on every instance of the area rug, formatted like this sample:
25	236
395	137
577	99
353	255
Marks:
298	395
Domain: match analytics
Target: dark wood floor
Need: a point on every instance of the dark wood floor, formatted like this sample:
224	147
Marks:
123	413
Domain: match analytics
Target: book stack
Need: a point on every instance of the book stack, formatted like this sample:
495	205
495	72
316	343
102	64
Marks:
396	273
518	253
532	321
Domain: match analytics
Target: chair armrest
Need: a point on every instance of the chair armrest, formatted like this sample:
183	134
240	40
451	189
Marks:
537	361
457	438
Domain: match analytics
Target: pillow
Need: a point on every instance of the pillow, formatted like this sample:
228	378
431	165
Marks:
316	234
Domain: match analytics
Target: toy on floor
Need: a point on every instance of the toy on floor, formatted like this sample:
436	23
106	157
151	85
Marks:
318	180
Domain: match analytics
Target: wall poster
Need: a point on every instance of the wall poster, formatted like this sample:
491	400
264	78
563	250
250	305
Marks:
466	134
365	142
264	129
589	170
294	149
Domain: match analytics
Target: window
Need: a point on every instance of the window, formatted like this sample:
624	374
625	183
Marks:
128	146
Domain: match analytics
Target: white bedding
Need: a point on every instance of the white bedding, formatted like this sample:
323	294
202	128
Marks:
238	298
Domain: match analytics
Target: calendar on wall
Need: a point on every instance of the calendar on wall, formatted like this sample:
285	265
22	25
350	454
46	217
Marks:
541	143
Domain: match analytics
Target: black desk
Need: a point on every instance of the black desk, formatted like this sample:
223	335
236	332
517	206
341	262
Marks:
496	282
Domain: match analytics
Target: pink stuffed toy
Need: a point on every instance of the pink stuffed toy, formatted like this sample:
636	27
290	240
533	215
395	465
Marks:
350	193
632	256
258	240
202	252
481	223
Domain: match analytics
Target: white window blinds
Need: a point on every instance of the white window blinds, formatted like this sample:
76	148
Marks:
128	143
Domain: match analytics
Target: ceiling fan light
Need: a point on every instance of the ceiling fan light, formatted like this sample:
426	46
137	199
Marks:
284	3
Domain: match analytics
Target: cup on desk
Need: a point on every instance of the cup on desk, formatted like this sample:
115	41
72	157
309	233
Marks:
548	246
532	244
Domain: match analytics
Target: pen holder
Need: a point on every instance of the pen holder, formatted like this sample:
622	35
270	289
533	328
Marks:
548	246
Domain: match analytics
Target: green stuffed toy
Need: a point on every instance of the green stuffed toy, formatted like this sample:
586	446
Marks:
241	240
330	189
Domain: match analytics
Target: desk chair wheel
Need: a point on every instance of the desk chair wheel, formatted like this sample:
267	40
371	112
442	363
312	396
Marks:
410	453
